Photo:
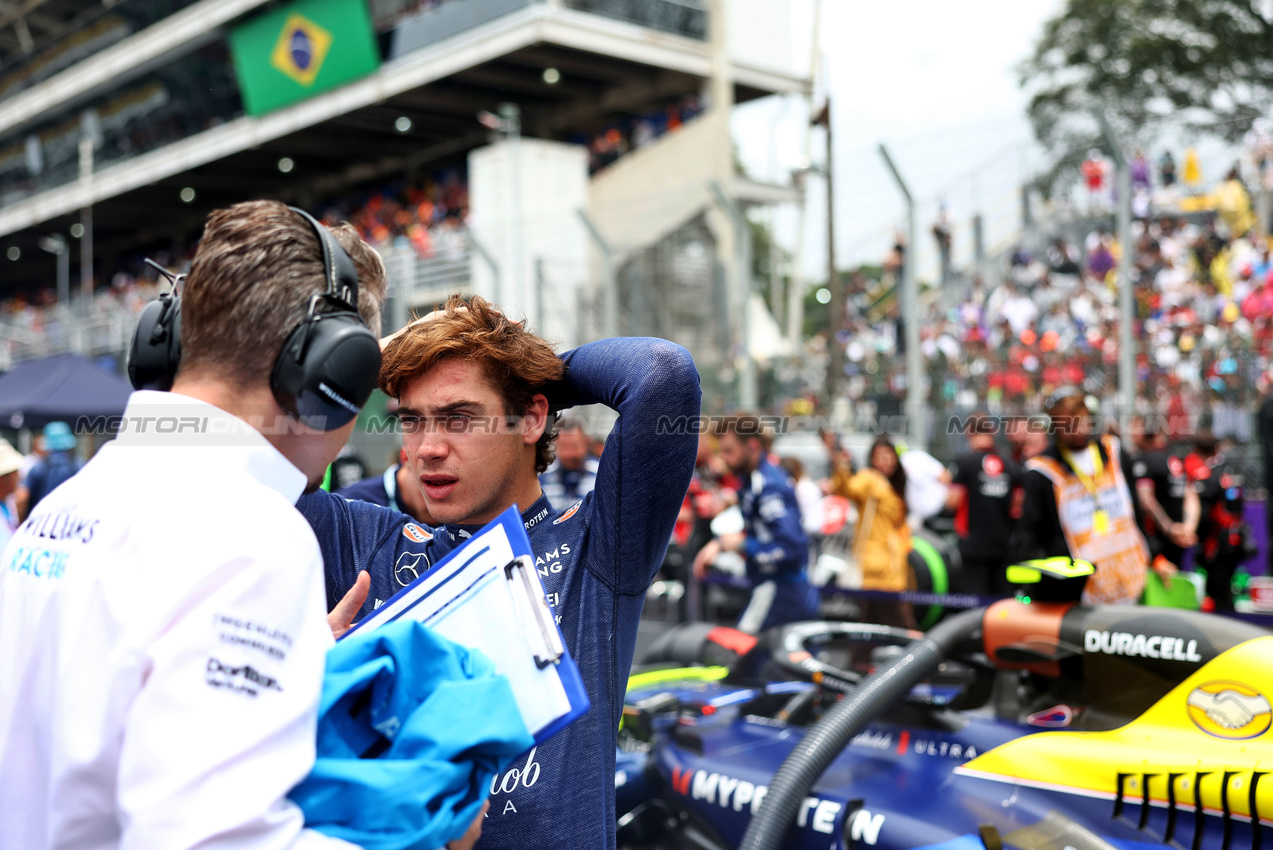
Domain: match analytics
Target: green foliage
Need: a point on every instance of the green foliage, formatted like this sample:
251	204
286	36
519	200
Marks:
1202	65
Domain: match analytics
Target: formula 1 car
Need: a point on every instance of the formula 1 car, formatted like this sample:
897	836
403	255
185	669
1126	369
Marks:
1027	724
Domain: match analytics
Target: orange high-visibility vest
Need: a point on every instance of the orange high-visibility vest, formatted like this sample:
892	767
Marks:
1120	554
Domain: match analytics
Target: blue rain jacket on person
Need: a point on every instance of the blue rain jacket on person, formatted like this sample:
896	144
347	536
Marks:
412	729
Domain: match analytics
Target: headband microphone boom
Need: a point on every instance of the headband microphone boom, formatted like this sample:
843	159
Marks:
327	367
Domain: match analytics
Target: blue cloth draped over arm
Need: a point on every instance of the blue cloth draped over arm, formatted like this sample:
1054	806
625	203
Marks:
412	730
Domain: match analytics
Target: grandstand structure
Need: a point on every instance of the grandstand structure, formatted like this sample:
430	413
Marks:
123	122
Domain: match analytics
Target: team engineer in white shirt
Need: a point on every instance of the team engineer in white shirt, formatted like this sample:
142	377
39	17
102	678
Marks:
162	614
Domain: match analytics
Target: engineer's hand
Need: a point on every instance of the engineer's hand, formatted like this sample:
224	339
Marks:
342	616
732	542
704	558
475	832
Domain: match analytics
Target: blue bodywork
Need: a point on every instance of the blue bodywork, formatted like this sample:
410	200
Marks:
714	748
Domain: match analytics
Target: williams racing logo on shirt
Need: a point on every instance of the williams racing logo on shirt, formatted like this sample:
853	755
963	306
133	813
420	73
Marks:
411	531
571	511
243	679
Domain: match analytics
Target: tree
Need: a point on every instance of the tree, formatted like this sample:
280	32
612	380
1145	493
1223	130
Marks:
1202	65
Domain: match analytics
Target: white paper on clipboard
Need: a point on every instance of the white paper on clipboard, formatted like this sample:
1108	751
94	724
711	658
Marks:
487	596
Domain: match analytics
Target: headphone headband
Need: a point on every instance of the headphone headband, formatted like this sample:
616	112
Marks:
327	366
338	268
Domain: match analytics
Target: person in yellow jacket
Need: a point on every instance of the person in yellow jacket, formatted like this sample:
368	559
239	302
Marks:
883	539
1233	203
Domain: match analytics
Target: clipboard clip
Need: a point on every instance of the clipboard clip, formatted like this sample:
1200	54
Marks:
540	613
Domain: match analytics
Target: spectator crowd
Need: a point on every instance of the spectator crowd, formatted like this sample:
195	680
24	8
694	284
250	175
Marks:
1203	321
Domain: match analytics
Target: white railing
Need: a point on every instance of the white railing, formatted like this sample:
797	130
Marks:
62	332
415	282
421	282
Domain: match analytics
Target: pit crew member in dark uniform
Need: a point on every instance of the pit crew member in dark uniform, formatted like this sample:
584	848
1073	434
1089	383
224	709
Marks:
773	541
1169	506
986	492
1224	539
472	388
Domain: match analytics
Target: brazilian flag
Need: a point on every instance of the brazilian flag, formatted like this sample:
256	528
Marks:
301	49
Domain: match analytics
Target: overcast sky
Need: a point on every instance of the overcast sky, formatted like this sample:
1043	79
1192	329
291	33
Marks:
935	81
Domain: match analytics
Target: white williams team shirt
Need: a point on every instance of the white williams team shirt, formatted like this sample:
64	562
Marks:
162	641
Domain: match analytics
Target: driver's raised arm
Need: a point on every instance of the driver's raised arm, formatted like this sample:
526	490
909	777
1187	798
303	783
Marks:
648	459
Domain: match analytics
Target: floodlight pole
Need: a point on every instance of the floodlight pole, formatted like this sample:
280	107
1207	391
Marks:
610	287
1126	295
748	394
510	115
916	413
86	221
57	246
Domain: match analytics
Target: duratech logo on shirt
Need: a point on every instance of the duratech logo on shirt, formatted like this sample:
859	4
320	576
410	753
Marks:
301	48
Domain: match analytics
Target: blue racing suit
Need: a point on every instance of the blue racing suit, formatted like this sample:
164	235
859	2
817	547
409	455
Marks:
596	559
776	551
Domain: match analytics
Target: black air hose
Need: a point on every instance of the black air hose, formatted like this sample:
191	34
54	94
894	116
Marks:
824	741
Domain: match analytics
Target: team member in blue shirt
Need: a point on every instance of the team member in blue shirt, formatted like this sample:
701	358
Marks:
773	541
473	392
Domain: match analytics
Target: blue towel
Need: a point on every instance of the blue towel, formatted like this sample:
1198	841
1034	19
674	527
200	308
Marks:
412	730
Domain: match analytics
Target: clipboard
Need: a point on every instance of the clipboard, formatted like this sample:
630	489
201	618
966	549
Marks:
486	595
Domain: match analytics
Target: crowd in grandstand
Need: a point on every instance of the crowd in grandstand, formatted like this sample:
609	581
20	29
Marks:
607	146
429	216
1204	316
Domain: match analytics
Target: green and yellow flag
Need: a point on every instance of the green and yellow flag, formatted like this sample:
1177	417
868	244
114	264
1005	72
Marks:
301	49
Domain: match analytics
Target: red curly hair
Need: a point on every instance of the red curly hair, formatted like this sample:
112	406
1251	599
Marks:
517	363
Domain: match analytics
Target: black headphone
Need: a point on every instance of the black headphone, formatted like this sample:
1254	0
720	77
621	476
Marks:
326	369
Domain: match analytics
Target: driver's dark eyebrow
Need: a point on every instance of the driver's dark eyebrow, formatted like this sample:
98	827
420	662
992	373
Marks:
454	406
438	411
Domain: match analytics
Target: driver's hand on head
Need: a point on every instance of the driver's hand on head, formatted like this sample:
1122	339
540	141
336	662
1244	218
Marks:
427	317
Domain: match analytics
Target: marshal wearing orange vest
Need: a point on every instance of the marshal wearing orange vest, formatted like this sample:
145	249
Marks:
1078	502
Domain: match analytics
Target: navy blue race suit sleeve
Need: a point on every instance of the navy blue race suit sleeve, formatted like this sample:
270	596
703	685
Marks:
649	456
776	543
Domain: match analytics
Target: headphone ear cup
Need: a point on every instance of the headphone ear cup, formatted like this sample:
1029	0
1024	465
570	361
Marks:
155	352
326	370
286	378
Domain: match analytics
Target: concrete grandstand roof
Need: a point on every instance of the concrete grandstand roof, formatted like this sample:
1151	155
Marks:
610	71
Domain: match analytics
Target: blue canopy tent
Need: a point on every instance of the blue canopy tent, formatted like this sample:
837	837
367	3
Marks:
63	387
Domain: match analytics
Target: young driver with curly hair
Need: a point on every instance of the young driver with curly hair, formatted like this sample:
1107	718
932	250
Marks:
474	390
